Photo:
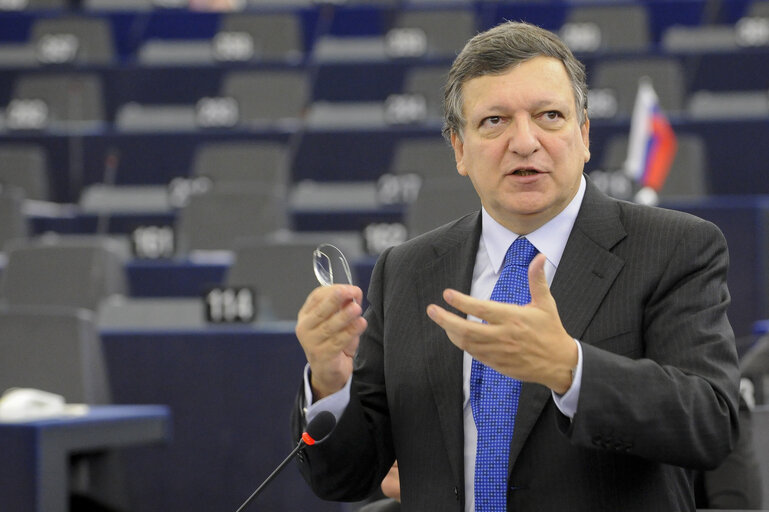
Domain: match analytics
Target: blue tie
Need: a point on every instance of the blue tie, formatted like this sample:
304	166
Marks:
494	397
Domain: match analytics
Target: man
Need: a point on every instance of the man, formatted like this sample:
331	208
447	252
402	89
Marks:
624	358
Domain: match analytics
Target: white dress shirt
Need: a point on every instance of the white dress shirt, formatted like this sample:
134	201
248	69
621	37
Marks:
550	239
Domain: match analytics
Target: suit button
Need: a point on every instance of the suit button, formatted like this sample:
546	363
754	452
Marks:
456	493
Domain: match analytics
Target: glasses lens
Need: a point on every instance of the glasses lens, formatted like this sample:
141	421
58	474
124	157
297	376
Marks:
330	265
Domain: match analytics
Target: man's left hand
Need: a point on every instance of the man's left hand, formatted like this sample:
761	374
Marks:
528	343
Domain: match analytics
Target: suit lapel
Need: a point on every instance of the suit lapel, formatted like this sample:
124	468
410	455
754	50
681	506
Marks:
588	268
584	276
449	269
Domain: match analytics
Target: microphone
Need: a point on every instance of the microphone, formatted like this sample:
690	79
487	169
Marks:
109	178
317	430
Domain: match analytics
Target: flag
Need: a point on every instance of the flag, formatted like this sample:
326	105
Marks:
652	144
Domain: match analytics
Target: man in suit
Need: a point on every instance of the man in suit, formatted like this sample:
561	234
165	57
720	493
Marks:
624	355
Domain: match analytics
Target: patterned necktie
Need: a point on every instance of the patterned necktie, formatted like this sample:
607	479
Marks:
494	397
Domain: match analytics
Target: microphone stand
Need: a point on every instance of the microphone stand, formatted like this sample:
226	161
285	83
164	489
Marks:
317	430
269	479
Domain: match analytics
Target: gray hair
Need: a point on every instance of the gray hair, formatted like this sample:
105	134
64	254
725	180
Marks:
496	51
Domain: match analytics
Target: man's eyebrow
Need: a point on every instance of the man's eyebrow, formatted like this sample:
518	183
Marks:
500	110
551	103
486	110
537	104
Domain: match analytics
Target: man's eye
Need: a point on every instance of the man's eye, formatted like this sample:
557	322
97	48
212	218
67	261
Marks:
492	120
552	115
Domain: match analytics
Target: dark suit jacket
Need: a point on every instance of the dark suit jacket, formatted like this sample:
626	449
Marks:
643	289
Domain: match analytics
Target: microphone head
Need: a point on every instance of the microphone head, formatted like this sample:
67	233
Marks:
319	428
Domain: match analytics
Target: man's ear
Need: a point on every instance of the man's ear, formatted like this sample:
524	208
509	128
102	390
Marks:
459	153
585	131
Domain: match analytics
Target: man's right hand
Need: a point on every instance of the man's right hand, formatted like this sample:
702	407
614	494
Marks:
328	328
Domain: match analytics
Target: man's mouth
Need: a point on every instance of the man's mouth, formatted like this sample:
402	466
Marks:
525	172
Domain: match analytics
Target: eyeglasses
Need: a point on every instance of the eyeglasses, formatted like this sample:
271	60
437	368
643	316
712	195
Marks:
330	265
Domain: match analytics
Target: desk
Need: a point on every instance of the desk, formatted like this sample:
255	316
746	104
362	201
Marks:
35	462
231	390
173	277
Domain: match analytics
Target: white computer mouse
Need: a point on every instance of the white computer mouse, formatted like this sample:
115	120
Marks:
19	404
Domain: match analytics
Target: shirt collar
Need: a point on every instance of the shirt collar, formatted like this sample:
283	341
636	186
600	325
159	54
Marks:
549	239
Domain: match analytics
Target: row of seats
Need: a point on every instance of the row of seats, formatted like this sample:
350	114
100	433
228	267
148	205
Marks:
70	165
258	164
50	269
232	181
252	179
89	273
350	33
287	99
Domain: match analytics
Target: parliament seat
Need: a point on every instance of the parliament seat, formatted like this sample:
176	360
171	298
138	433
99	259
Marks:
25	166
431	208
268	97
446	30
13	222
93	39
258	165
276	36
728	105
427	81
76	272
53	348
72	99
215	220
425	156
280	271
614	28
688	176
621	76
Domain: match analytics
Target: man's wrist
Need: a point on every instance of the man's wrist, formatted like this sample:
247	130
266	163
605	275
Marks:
567	401
335	403
567	374
320	391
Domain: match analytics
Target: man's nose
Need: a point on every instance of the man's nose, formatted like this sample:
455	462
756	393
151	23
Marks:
522	137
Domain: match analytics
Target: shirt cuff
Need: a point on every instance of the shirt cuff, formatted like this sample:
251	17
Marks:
335	403
567	402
